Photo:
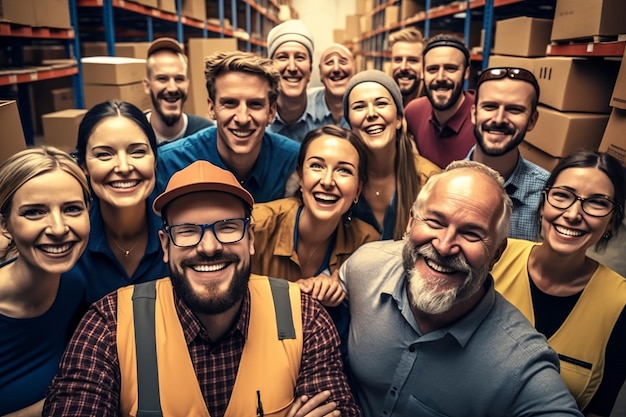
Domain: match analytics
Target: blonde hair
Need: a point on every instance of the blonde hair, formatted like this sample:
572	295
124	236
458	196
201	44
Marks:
30	163
246	62
152	58
412	35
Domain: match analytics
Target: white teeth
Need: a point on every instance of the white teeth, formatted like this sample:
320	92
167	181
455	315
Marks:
568	232
375	130
438	268
209	268
326	197
55	249
292	79
124	184
242	133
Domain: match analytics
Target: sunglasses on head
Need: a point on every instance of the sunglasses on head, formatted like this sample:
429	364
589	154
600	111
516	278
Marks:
513	73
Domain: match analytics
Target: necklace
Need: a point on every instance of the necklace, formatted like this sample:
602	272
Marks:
127	251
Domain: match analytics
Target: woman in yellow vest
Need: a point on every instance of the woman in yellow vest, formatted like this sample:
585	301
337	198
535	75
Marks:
577	303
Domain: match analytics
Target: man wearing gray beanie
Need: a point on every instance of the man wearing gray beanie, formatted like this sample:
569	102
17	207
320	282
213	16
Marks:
290	46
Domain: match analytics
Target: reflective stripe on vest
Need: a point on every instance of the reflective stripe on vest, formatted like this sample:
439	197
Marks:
268	364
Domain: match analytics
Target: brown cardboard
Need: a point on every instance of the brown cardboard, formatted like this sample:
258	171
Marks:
12	137
21	12
409	8
522	36
122	49
61	128
35	54
352	27
52	13
586	18
132	93
168	6
618	99
537	156
199	48
559	133
392	14
48	96
365	23
512	62
195	9
339	35
149	3
363	6
614	140
576	84
113	70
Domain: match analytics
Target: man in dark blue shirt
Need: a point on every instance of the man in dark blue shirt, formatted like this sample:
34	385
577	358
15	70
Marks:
243	89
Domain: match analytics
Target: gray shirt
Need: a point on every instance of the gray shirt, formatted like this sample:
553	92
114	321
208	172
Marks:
489	363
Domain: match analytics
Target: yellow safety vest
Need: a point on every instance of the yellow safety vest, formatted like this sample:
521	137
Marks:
269	364
582	338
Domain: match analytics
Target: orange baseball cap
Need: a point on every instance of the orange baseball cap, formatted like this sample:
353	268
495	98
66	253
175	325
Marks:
200	176
165	43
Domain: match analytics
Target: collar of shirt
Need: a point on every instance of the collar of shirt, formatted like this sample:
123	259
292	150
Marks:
456	122
192	327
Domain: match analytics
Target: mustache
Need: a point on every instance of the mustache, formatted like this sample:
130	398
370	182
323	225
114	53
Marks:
407	74
428	251
441	84
499	127
176	95
200	259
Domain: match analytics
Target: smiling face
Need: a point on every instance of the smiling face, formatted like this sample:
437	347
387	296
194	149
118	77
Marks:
502	115
210	277
445	70
167	84
336	69
120	162
330	178
373	115
293	61
453	240
49	222
406	66
241	110
572	231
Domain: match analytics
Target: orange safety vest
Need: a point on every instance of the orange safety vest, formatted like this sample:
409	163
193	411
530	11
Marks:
269	365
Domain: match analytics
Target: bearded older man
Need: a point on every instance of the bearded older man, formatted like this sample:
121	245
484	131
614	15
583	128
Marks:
428	333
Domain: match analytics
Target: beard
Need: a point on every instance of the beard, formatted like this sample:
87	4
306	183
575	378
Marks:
211	302
457	90
516	139
408	90
169	119
429	294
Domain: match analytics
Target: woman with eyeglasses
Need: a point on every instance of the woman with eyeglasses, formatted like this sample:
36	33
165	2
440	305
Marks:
117	149
44	215
578	304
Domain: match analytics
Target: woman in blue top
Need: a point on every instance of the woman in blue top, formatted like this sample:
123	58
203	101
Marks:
44	202
117	150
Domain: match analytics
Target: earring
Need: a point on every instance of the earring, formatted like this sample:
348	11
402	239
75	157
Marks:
607	235
356	200
347	219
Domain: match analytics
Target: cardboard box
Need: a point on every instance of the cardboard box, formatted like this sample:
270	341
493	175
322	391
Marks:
363	6
61	128
522	36
21	12
352	27
339	35
113	70
12	137
168	6
35	54
365	23
614	140
195	9
618	99
537	156
559	133
122	49
52	13
409	8
149	3
512	61
392	15
584	18
576	84
48	96
132	93
199	48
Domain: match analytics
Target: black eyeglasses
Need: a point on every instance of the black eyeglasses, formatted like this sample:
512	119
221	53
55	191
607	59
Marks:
225	231
513	73
562	199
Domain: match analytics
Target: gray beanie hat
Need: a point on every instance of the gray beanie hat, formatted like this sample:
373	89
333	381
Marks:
291	30
375	76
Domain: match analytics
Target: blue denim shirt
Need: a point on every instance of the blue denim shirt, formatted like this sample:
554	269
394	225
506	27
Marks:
317	108
267	181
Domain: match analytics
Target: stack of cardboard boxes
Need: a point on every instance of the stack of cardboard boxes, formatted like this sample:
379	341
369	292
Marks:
575	92
614	138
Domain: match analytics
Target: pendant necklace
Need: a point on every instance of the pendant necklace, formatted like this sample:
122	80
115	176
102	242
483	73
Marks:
126	251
